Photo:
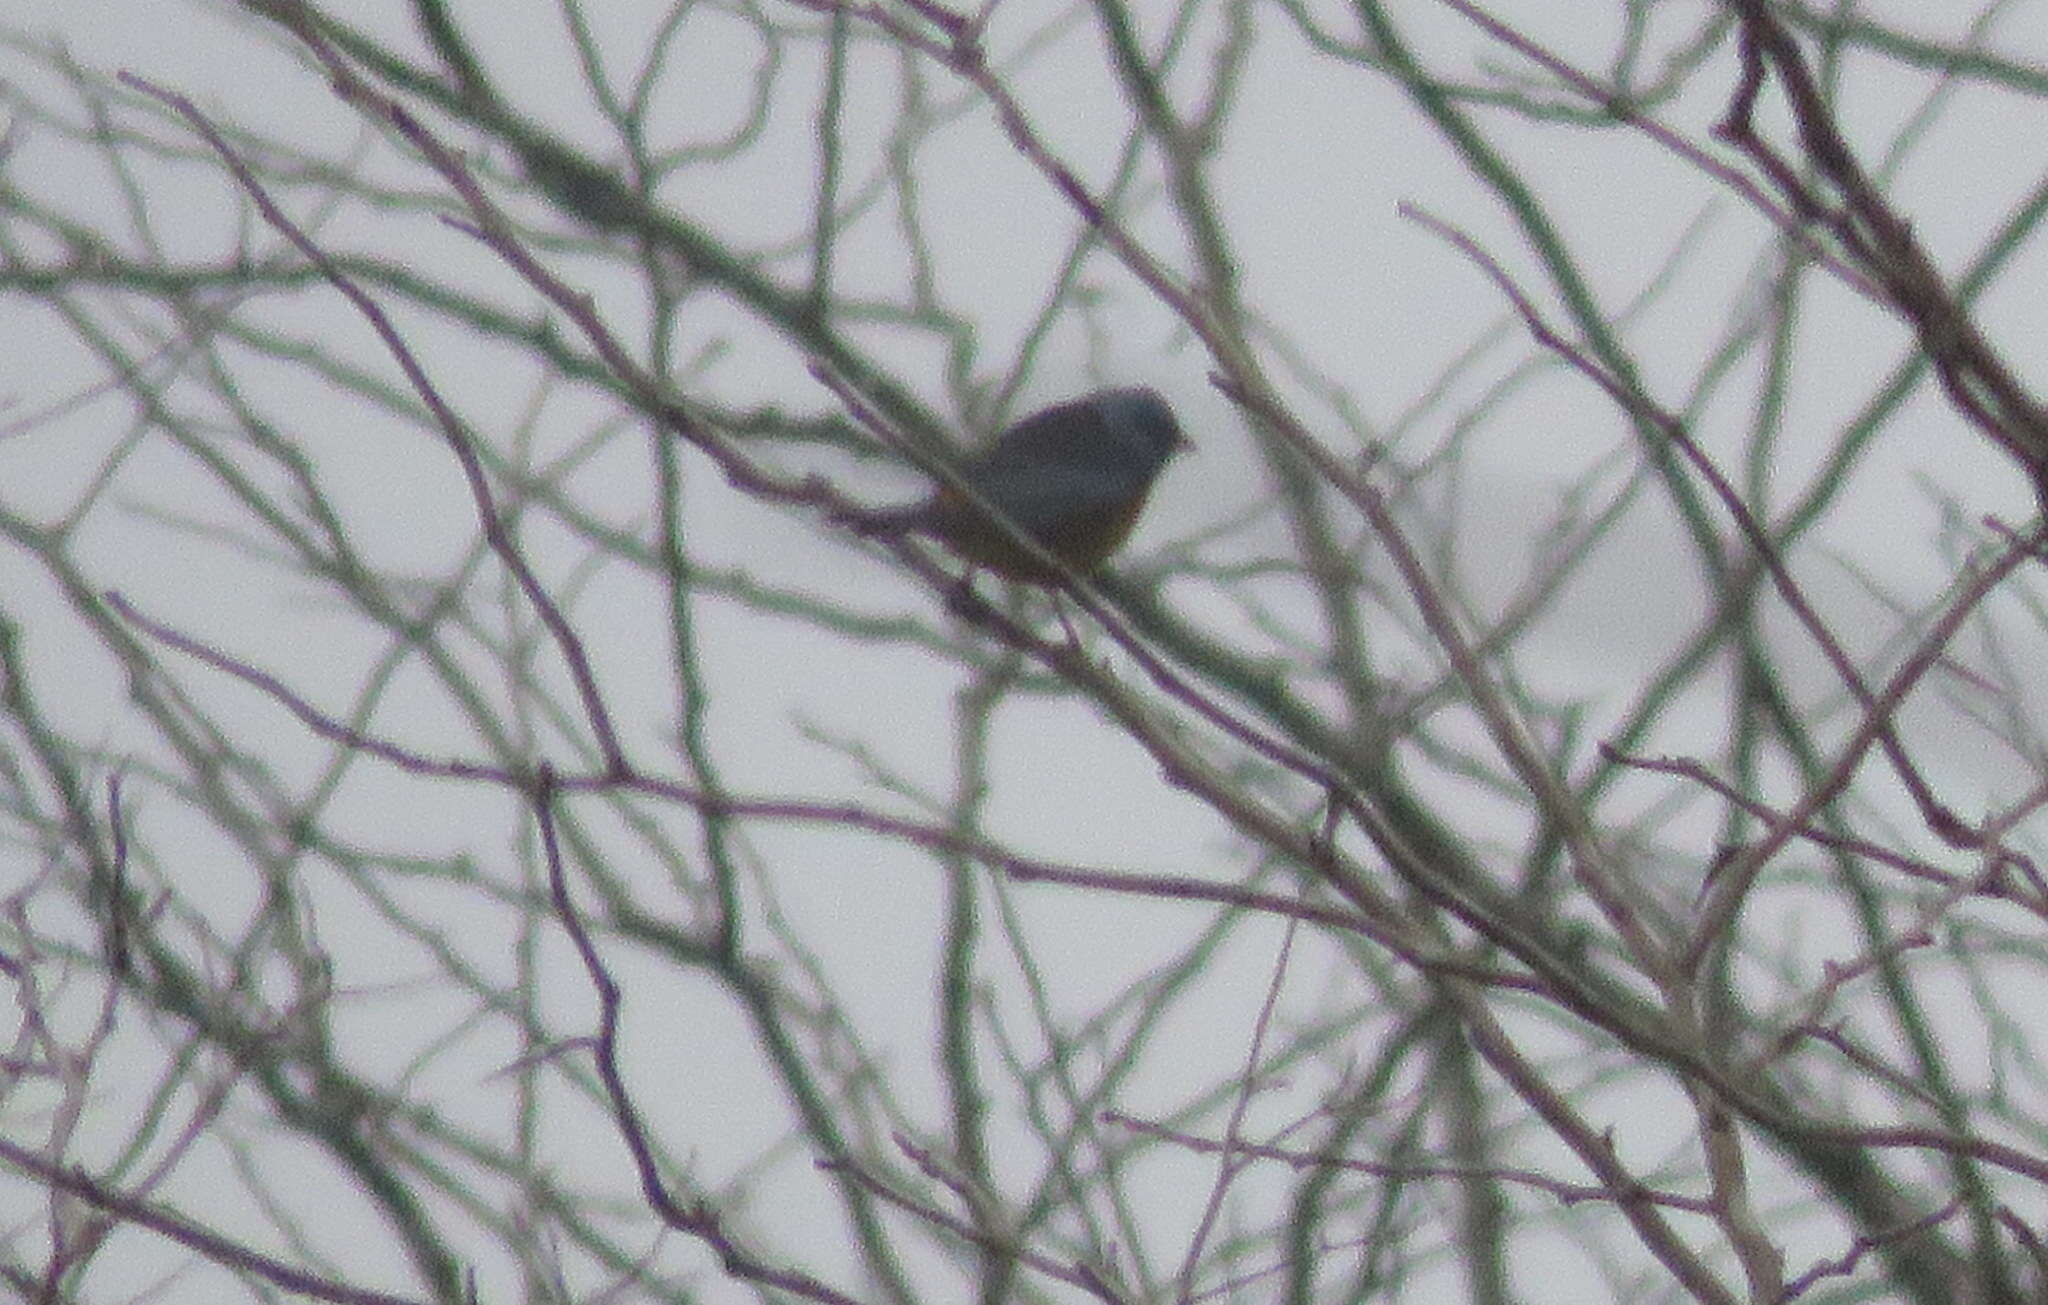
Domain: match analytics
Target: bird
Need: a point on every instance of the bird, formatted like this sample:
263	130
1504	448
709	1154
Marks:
1071	478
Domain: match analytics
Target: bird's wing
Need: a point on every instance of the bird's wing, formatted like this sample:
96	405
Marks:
1041	497
1066	432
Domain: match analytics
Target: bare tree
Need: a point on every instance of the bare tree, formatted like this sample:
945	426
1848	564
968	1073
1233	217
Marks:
1542	809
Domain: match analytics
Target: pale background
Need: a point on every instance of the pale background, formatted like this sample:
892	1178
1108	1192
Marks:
1366	317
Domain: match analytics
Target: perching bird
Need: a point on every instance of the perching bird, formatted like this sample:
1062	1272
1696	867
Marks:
1072	478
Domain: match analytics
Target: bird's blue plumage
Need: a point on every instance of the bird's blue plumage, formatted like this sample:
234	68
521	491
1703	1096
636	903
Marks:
1071	477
